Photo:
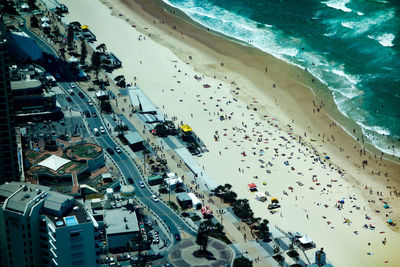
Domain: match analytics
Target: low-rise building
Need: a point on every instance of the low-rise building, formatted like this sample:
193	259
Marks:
184	200
121	226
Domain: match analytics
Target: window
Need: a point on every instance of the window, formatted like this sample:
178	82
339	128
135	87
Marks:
75	234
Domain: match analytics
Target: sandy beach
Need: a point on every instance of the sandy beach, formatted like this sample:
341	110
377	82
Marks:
261	123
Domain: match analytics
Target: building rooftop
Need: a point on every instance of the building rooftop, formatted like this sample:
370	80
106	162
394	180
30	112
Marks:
20	197
25	84
54	162
120	221
76	214
133	138
183	196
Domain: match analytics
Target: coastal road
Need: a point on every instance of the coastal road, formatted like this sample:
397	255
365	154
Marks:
122	160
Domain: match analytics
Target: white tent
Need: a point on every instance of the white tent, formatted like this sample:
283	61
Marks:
54	162
45	19
45	25
25	6
73	60
305	240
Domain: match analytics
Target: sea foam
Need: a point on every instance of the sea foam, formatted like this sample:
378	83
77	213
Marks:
339	5
385	39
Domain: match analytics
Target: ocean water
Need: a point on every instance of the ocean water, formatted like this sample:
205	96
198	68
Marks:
353	46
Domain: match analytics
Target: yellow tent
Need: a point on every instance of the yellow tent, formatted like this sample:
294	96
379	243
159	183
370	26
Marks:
186	128
84	27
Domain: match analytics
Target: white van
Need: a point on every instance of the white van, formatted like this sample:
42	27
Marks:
96	131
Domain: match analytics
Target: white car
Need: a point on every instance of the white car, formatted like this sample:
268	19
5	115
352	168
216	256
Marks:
118	149
141	184
72	85
90	103
154	198
102	130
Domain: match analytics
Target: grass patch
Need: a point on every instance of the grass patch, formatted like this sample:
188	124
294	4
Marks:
32	155
84	151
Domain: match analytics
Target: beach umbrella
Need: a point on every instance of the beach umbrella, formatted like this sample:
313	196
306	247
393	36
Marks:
390	221
386	206
327	157
84	27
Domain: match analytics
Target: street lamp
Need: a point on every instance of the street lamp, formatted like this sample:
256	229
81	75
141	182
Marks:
221	212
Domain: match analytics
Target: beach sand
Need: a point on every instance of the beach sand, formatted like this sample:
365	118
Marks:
264	114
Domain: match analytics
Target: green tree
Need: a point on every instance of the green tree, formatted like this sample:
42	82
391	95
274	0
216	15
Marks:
62	53
242	209
105	106
161	130
101	47
229	197
34	22
264	229
120	79
242	262
96	63
83	52
202	237
32	4
70	36
121	128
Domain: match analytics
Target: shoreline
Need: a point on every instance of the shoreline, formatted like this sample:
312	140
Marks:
289	99
318	88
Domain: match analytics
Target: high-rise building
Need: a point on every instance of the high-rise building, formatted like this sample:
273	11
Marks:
39	227
9	170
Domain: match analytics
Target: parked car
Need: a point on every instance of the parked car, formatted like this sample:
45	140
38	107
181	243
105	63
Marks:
154	197
273	206
96	132
110	151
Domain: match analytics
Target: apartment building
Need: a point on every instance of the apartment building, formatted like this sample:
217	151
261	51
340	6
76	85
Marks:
39	227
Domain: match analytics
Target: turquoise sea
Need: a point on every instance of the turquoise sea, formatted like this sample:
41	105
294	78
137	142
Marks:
353	46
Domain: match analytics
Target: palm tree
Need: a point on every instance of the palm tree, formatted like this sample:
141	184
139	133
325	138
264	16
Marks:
202	237
102	47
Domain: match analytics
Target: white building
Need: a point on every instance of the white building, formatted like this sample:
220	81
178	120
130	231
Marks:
39	227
